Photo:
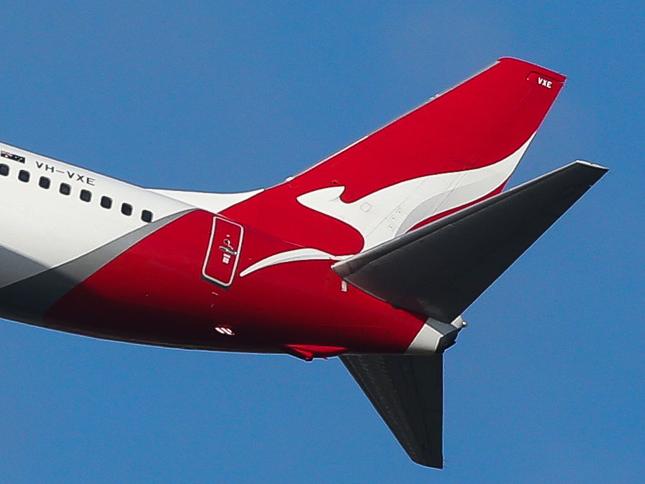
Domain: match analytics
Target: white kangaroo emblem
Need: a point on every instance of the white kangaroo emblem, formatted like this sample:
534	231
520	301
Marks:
393	210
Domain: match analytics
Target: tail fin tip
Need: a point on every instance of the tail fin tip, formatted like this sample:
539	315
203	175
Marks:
550	73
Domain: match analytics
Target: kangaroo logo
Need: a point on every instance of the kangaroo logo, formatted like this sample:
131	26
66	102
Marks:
394	210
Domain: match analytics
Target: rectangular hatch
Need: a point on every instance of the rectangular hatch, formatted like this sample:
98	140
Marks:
223	252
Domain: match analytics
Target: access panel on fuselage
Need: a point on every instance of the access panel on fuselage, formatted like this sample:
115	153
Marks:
223	251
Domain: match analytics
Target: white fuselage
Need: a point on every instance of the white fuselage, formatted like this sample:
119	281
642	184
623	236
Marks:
43	226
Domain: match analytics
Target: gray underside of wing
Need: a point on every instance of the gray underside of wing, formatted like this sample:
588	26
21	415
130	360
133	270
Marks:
440	269
407	391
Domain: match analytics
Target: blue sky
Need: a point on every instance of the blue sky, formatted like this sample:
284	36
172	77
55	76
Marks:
546	384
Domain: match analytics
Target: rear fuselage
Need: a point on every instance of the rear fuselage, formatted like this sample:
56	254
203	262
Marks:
89	254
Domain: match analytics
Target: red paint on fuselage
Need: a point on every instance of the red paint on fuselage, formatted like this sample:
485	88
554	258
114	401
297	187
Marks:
155	293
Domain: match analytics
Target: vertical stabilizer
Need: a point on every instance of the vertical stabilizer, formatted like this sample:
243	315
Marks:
458	148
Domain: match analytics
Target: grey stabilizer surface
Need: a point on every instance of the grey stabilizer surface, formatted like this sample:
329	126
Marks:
407	391
440	269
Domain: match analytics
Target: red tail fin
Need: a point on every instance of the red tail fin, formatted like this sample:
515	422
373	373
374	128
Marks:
458	148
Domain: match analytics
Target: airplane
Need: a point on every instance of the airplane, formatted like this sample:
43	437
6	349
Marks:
372	255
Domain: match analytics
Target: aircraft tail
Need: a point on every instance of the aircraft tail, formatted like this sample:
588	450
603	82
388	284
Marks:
438	271
455	150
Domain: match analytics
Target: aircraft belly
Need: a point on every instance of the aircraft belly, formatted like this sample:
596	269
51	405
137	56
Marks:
155	292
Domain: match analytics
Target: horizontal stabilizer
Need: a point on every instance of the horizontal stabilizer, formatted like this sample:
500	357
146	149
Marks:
440	269
407	391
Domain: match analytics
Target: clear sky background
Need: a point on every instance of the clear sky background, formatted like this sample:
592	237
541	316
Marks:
547	382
